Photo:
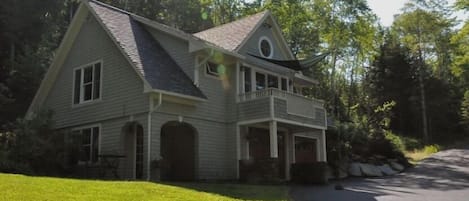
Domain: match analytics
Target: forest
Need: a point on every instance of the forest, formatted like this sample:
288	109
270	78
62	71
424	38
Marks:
409	80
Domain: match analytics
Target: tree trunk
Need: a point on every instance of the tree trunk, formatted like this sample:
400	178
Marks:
423	104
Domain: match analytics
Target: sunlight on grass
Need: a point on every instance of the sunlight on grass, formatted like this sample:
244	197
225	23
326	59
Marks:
419	154
21	187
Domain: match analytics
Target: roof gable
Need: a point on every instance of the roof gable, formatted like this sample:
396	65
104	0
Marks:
147	56
230	36
233	36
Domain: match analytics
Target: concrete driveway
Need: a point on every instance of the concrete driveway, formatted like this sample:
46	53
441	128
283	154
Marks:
442	177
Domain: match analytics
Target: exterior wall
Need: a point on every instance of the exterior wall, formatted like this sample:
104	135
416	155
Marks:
281	112
252	45
213	119
122	89
214	154
254	109
112	142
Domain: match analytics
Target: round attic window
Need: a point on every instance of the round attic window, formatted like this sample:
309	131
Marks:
265	47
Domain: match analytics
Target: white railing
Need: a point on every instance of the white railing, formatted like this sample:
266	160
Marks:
296	103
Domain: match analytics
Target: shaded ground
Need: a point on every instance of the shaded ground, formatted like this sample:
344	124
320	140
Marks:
443	176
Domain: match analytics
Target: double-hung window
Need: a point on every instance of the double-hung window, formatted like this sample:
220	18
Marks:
88	139
87	83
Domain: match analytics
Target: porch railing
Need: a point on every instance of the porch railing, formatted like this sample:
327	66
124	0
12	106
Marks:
296	104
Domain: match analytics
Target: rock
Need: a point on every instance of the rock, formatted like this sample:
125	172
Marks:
396	166
387	170
354	170
370	170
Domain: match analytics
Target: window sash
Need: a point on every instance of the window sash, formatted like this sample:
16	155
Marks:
211	69
88	79
89	144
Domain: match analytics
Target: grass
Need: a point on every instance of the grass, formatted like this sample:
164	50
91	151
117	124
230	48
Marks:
417	155
21	187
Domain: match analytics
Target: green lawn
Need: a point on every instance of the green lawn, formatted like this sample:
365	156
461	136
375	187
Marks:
21	187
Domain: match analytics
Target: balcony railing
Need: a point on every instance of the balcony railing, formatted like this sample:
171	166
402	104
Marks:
296	104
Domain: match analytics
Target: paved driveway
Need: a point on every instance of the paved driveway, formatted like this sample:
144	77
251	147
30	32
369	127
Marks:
442	177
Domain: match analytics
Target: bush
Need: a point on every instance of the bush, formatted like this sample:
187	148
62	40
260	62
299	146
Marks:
34	147
309	173
431	149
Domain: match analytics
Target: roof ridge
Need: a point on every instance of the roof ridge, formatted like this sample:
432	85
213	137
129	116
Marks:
233	34
234	21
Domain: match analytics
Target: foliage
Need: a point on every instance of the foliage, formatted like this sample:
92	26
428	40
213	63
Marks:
465	110
34	147
431	149
20	187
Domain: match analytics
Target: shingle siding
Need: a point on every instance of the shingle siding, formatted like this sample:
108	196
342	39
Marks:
122	90
254	109
280	109
252	44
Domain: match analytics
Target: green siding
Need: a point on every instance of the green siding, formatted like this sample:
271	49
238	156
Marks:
252	44
254	109
281	112
122	89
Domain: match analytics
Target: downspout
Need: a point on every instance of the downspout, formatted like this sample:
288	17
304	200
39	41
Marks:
152	108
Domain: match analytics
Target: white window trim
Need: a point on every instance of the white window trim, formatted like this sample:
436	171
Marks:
91	126
82	102
205	68
255	69
262	38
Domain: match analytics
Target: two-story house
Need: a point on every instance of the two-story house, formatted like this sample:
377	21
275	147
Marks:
199	102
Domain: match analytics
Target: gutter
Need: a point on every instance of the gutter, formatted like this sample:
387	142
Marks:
152	108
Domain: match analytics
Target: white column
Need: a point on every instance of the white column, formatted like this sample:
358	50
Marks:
287	155
273	139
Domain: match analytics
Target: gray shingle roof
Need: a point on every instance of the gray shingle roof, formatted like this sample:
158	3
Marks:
147	55
231	35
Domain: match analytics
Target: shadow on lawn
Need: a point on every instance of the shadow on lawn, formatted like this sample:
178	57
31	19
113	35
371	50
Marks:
238	191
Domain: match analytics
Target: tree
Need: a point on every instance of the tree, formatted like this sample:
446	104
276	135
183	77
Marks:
425	32
391	78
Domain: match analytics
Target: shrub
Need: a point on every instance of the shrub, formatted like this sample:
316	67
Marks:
35	147
395	140
309	173
431	149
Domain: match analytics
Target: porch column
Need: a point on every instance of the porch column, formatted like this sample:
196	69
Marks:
287	155
273	139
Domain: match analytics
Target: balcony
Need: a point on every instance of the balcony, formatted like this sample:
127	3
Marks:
273	103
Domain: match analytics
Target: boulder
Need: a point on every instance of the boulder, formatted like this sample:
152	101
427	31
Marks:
370	170
396	166
354	170
387	170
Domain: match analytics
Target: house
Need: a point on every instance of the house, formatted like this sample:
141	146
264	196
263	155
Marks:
197	103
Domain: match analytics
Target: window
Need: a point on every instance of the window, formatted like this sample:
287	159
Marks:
89	143
284	84
265	47
212	69
87	83
260	81
247	79
272	81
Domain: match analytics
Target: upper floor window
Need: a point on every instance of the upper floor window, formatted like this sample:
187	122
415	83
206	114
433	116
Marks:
87	83
212	69
265	47
88	139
